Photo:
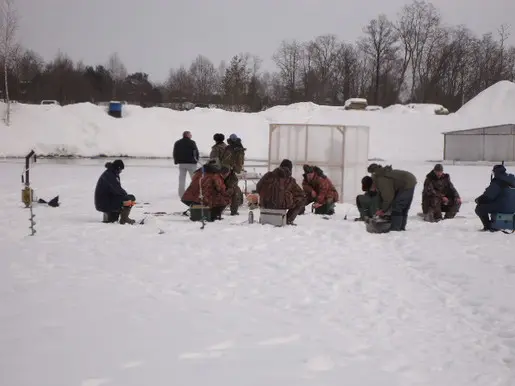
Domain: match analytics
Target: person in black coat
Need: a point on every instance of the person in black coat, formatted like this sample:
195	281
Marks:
186	155
110	198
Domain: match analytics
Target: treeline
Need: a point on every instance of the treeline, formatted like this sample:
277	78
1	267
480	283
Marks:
415	58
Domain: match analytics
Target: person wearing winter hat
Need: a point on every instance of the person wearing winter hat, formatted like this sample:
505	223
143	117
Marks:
217	150
498	197
439	196
110	198
233	157
368	202
320	190
277	189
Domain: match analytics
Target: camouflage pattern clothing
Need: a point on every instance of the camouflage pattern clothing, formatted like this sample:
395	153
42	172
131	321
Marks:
217	151
435	189
214	192
233	157
279	190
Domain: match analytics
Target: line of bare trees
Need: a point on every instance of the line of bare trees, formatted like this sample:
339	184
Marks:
415	58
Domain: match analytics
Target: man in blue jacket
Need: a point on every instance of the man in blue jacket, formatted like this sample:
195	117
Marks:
110	198
498	197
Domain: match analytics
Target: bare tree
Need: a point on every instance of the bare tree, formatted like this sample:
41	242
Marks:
8	46
118	72
288	59
418	27
324	51
180	84
380	45
203	76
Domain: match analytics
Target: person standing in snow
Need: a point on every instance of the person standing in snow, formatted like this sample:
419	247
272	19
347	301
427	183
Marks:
217	150
233	158
110	198
396	189
498	197
439	195
186	155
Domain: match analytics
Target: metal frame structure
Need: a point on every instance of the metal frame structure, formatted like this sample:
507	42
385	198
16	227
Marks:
306	160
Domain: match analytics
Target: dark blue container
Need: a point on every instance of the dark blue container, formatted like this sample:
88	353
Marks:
115	109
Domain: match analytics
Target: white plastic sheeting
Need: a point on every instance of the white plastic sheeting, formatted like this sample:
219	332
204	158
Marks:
340	151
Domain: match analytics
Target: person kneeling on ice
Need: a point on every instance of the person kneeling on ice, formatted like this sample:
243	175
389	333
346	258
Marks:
111	198
368	202
277	189
439	195
321	189
498	197
396	188
209	184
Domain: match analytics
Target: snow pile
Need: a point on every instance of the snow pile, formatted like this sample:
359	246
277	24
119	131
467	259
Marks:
86	130
493	106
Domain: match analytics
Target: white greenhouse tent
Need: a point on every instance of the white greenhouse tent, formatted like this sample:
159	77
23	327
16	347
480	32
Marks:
341	151
492	144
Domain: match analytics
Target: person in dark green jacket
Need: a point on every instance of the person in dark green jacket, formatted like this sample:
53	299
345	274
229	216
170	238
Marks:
396	188
368	202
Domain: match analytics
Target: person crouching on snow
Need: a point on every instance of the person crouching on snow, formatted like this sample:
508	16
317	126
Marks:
277	189
498	197
110	198
321	189
439	195
368	202
210	185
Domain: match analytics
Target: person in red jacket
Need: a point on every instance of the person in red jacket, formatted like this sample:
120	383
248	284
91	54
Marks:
215	194
321	189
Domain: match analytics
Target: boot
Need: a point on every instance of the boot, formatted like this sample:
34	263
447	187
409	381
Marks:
124	216
111	217
404	223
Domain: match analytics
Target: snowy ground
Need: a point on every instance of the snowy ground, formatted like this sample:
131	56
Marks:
324	303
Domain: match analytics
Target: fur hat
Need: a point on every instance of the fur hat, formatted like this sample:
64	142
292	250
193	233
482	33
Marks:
218	137
286	163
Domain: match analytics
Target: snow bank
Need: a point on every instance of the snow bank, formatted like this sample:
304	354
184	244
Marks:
408	133
493	106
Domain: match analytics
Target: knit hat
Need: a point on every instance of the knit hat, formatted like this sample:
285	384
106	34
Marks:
233	137
307	169
438	168
373	167
286	163
366	183
499	169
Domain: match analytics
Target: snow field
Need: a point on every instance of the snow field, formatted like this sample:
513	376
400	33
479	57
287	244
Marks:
88	304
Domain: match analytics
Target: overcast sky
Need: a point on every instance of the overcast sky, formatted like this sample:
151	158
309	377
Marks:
154	35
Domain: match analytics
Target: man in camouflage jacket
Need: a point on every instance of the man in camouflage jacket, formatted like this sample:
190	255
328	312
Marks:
215	194
396	188
439	195
233	157
321	190
217	150
277	189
